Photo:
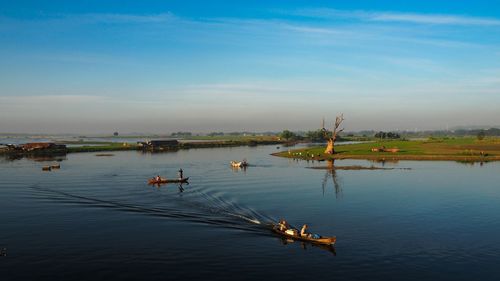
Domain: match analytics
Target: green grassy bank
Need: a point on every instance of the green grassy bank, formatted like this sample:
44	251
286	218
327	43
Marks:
184	145
455	149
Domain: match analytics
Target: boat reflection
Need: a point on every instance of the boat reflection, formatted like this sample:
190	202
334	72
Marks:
306	246
179	185
238	169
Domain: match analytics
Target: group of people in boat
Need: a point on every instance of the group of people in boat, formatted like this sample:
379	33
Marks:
283	226
242	164
180	174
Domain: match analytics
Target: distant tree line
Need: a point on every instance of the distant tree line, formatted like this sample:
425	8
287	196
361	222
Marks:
491	132
316	136
387	135
288	135
436	133
213	134
311	136
319	135
181	134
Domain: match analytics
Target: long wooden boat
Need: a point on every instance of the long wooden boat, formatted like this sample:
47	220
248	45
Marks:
323	240
165	180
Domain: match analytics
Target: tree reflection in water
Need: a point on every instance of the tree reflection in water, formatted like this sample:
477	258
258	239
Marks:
336	182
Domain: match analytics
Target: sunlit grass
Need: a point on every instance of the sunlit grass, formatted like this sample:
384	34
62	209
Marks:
439	149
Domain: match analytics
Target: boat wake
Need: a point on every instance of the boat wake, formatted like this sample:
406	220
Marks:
199	207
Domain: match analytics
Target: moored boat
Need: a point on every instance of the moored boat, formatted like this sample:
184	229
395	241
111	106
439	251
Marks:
165	180
323	240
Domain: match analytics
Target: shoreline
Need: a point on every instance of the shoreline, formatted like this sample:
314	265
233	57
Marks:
455	149
458	150
109	147
383	158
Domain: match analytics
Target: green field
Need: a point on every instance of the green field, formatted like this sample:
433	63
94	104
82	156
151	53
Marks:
457	149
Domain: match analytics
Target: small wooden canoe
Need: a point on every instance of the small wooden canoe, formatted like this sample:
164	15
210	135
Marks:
239	164
165	180
322	240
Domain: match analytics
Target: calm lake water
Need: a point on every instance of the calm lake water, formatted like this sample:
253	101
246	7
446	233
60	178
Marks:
96	218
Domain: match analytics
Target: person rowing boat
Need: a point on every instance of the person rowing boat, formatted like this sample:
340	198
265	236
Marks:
304	233
283	225
284	229
159	180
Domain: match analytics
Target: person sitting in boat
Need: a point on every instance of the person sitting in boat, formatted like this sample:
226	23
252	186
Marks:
180	173
158	178
304	232
283	225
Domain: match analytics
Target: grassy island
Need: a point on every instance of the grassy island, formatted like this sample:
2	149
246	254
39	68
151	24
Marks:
196	143
454	149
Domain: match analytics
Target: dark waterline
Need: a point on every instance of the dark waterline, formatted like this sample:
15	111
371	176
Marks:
96	218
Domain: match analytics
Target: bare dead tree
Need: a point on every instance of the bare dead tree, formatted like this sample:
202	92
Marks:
331	136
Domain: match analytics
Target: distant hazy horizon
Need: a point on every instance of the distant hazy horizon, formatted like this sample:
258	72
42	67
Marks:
165	66
259	132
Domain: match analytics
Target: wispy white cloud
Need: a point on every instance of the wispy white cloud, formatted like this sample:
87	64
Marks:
266	31
120	18
85	19
398	17
33	100
313	29
69	104
318	65
433	19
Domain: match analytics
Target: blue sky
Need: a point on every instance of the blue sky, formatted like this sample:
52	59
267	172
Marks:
201	66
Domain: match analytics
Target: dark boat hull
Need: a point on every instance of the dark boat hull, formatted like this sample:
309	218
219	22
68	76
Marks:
321	241
164	180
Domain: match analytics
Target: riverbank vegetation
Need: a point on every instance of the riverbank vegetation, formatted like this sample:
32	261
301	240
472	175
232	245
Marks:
199	143
456	149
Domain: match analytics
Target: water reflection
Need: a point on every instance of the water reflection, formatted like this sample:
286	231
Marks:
238	169
473	163
157	151
179	185
306	246
197	206
331	172
384	161
37	157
